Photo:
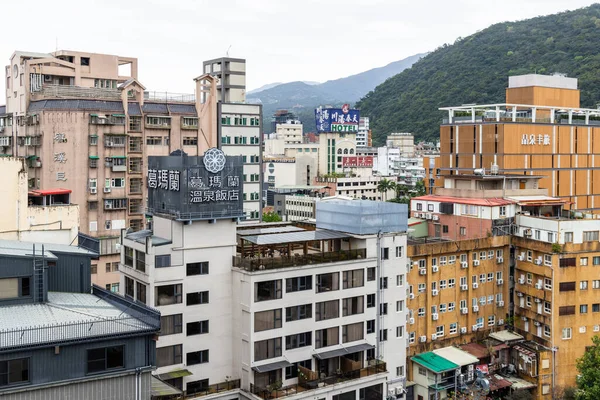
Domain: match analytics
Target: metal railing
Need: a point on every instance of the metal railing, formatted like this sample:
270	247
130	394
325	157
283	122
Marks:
170	97
173	212
314	384
258	264
68	91
215	388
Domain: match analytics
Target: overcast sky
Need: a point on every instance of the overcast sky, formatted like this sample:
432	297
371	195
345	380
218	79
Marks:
281	40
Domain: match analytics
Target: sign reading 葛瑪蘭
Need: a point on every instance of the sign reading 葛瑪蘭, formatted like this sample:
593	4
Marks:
190	187
341	120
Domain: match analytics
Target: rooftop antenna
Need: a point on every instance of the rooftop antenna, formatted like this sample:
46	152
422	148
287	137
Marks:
227	52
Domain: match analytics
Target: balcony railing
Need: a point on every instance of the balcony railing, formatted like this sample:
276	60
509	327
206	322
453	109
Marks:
170	97
259	264
216	388
314	384
77	92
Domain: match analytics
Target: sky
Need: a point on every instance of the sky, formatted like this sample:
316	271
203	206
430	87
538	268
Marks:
281	40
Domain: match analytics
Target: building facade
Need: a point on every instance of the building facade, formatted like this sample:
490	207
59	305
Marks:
231	74
363	136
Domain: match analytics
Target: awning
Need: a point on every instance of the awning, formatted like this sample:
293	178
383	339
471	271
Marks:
118	115
525	351
160	388
272	367
330	354
178	373
117	157
94	157
93	115
359	347
30	157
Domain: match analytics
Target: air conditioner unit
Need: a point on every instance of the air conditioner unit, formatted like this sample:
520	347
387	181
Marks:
538	300
463	329
474	328
537	323
522	281
538	286
499	260
521	257
434	292
501	303
391	393
434	316
464	264
464	311
400	390
106	190
500	281
500	322
47	78
476	263
464	287
429	216
411	321
433	336
93	190
423	339
411	296
475	308
436	217
435	268
422	271
475	285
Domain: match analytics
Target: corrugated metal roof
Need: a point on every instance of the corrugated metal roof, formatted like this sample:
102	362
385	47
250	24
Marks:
155	108
457	356
272	366
295	237
71	104
60	319
15	247
490	202
264	231
160	388
140	237
182	109
433	362
134	109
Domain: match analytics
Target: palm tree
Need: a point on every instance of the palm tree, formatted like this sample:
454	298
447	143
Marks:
383	186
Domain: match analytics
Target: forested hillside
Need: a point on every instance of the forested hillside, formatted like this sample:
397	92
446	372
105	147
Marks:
475	69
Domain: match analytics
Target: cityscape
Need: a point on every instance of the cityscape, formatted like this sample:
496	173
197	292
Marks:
425	230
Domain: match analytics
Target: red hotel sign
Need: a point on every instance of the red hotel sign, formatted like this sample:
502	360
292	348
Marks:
358	161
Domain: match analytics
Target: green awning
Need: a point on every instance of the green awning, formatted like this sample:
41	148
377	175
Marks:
93	135
115	134
118	115
434	363
30	157
117	156
93	115
178	373
94	157
160	388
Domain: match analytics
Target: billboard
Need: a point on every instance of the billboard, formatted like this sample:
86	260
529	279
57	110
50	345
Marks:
196	187
357	161
343	120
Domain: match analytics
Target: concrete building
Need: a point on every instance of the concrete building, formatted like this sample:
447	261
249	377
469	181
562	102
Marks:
541	131
363	136
359	187
333	146
386	162
39	216
281	171
231	74
403	141
62	337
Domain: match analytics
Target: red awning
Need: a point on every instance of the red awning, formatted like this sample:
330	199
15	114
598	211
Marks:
48	192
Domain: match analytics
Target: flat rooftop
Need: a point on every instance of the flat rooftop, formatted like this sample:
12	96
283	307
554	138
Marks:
19	248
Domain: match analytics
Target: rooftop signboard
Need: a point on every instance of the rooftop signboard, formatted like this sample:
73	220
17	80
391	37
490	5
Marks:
343	120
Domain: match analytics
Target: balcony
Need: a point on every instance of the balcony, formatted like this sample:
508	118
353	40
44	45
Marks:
166	97
76	92
189	123
115	119
309	380
297	260
216	388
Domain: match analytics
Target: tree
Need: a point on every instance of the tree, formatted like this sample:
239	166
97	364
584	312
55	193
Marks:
271	217
383	186
420	189
588	381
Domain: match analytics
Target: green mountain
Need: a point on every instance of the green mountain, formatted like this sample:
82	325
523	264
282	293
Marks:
302	98
475	69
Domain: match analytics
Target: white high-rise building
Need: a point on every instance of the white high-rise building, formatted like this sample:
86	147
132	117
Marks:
362	136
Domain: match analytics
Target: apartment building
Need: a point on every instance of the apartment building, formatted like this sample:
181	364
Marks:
85	123
333	146
231	74
403	141
333	339
541	131
358	187
62	337
363	135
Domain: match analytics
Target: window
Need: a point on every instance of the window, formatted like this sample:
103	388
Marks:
400	370
451	306
399	305
422	371
158	121
421	312
590	236
292	371
537	234
371	274
567	310
140	261
268	290
568	237
171	324
197	268
383	283
421	287
583	261
327	310
141	292
85	61
490	276
528	301
353	306
596	284
154	140
298	283
551	237
190	141
371	326
370	300
463	231
129	287
583	285
298	340
548	260
197	357
382	335
162	261
328	282
529	255
399	280
491	320
451	283
168	294
296	313
265	349
583	309
399	331
196	386
503	211
451	260
419	206
439	331
14	371
596	307
529	278
327	337
353	278
547	331
383	309
482	278
105	358
385	253
453	328
444	228
596	260
547	307
398	251
93	270
566	333
566	286
197	298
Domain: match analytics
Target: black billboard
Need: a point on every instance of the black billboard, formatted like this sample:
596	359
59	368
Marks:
196	187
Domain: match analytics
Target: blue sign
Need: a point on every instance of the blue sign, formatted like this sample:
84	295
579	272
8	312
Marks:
337	119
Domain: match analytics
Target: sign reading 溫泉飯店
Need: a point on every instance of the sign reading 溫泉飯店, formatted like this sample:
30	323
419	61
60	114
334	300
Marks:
190	187
341	120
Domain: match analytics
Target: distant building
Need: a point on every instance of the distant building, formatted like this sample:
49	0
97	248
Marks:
363	136
231	74
281	117
61	337
403	141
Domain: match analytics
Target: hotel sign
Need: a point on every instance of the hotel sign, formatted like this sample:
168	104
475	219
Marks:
532	140
358	161
342	119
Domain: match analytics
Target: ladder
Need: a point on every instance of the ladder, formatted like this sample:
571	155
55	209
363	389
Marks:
39	265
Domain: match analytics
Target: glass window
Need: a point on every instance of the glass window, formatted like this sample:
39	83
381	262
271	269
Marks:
171	324
197	357
296	313
327	310
197	298
168	294
265	349
353	278
14	371
197	268
328	282
105	358
268	290
298	340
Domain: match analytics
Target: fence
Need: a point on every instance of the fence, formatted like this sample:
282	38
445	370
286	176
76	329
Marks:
170	97
255	264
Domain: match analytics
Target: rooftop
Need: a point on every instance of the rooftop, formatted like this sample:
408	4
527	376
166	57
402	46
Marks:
490	202
506	336
140	237
25	249
456	356
434	363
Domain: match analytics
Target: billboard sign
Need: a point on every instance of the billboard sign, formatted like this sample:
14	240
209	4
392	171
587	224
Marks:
343	120
196	188
357	161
